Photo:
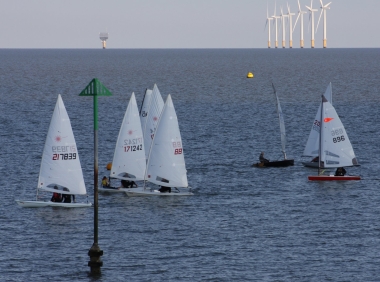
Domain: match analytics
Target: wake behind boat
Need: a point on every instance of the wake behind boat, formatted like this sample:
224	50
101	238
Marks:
278	163
60	171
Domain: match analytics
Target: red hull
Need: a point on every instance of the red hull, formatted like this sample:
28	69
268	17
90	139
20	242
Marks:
332	177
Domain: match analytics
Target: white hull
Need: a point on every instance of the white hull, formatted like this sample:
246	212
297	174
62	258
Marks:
40	204
150	192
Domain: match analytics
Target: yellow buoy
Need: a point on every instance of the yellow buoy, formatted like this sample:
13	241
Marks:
250	75
109	166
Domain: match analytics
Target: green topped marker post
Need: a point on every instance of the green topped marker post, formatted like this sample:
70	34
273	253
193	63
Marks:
95	88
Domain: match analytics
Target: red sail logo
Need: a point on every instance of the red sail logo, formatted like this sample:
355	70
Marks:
328	119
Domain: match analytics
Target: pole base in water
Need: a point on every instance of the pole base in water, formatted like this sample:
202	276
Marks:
95	262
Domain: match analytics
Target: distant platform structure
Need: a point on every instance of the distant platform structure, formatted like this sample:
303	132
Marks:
103	37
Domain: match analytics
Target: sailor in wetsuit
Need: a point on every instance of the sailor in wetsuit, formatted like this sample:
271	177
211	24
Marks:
262	159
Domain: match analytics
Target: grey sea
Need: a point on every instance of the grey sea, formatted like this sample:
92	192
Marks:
243	223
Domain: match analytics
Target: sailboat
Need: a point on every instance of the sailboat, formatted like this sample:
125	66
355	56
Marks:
150	114
60	170
166	163
129	161
335	149
285	162
312	145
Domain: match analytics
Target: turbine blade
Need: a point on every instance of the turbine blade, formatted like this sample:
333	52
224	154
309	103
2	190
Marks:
328	4
299	6
296	21
266	22
288	7
308	7
321	2
320	15
275	8
311	4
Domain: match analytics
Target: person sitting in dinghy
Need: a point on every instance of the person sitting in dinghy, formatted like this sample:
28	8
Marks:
340	171
165	189
67	197
262	159
128	184
105	182
57	197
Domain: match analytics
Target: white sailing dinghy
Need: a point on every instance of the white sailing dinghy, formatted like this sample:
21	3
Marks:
312	145
129	161
285	162
60	164
152	108
335	149
166	163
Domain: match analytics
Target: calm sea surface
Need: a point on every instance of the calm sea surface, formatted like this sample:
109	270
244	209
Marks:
243	223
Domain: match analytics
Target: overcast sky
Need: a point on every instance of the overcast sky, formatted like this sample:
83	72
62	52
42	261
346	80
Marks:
178	23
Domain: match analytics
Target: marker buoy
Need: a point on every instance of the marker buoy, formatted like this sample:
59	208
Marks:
250	75
109	166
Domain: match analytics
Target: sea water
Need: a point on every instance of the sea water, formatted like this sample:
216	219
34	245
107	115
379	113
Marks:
243	223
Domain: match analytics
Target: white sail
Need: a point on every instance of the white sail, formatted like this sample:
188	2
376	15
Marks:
166	162
312	144
154	111
282	125
129	161
60	164
336	148
145	107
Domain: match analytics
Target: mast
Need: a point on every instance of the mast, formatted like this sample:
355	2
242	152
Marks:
281	121
320	138
142	103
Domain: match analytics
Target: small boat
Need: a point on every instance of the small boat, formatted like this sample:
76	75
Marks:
312	144
60	170
166	163
278	163
335	149
149	114
129	156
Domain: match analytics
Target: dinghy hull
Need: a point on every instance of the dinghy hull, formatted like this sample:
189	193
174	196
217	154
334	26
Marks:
282	163
333	178
41	204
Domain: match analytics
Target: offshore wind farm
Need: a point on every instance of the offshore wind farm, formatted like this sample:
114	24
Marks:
287	26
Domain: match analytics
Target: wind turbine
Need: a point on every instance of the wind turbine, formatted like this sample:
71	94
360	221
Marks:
290	28
268	22
283	16
324	8
311	11
300	13
275	20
